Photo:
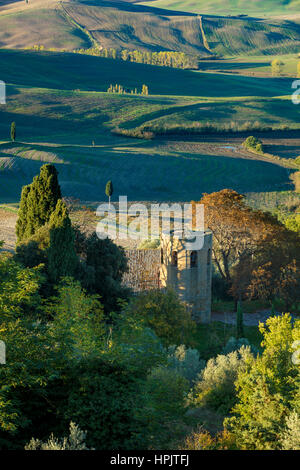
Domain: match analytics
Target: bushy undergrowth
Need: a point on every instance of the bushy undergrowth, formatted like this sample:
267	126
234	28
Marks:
75	441
214	386
185	361
254	144
235	344
135	133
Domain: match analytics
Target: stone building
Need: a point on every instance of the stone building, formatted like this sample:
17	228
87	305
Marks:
188	272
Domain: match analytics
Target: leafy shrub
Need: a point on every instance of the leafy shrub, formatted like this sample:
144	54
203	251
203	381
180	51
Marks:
166	390
234	344
104	398
163	412
102	270
75	441
290	438
33	251
165	314
203	440
215	386
267	390
252	143
292	222
135	133
136	346
185	361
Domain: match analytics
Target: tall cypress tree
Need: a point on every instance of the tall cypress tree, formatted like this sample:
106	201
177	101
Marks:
38	201
109	190
13	131
239	322
49	191
22	213
62	258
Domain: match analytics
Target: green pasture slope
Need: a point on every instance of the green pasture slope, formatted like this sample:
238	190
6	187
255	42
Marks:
67	71
259	66
69	25
50	93
123	25
138	169
40	26
231	7
64	115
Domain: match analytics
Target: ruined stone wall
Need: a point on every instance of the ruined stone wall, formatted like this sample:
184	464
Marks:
143	269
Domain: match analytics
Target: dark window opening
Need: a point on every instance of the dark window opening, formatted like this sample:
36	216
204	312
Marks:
162	256
194	259
174	258
208	256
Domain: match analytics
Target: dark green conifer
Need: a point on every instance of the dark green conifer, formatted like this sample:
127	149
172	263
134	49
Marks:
13	131
49	192
109	190
22	214
38	201
62	258
239	322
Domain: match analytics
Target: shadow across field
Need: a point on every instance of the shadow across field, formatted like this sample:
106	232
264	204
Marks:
139	171
67	71
136	8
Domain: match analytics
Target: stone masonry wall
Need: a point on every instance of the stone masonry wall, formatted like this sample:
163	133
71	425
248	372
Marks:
144	267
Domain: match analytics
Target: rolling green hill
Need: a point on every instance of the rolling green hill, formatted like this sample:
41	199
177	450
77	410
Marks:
38	22
70	25
137	169
231	7
64	115
75	71
65	88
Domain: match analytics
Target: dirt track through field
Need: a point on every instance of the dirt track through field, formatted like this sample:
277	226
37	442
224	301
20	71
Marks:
7	229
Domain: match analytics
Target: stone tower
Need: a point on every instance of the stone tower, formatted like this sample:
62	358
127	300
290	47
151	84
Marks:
188	272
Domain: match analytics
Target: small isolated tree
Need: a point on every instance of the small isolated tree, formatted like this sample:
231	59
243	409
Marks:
253	143
277	67
13	131
145	90
109	190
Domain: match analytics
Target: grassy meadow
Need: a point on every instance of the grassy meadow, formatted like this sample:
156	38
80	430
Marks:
255	66
70	25
231	7
64	114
